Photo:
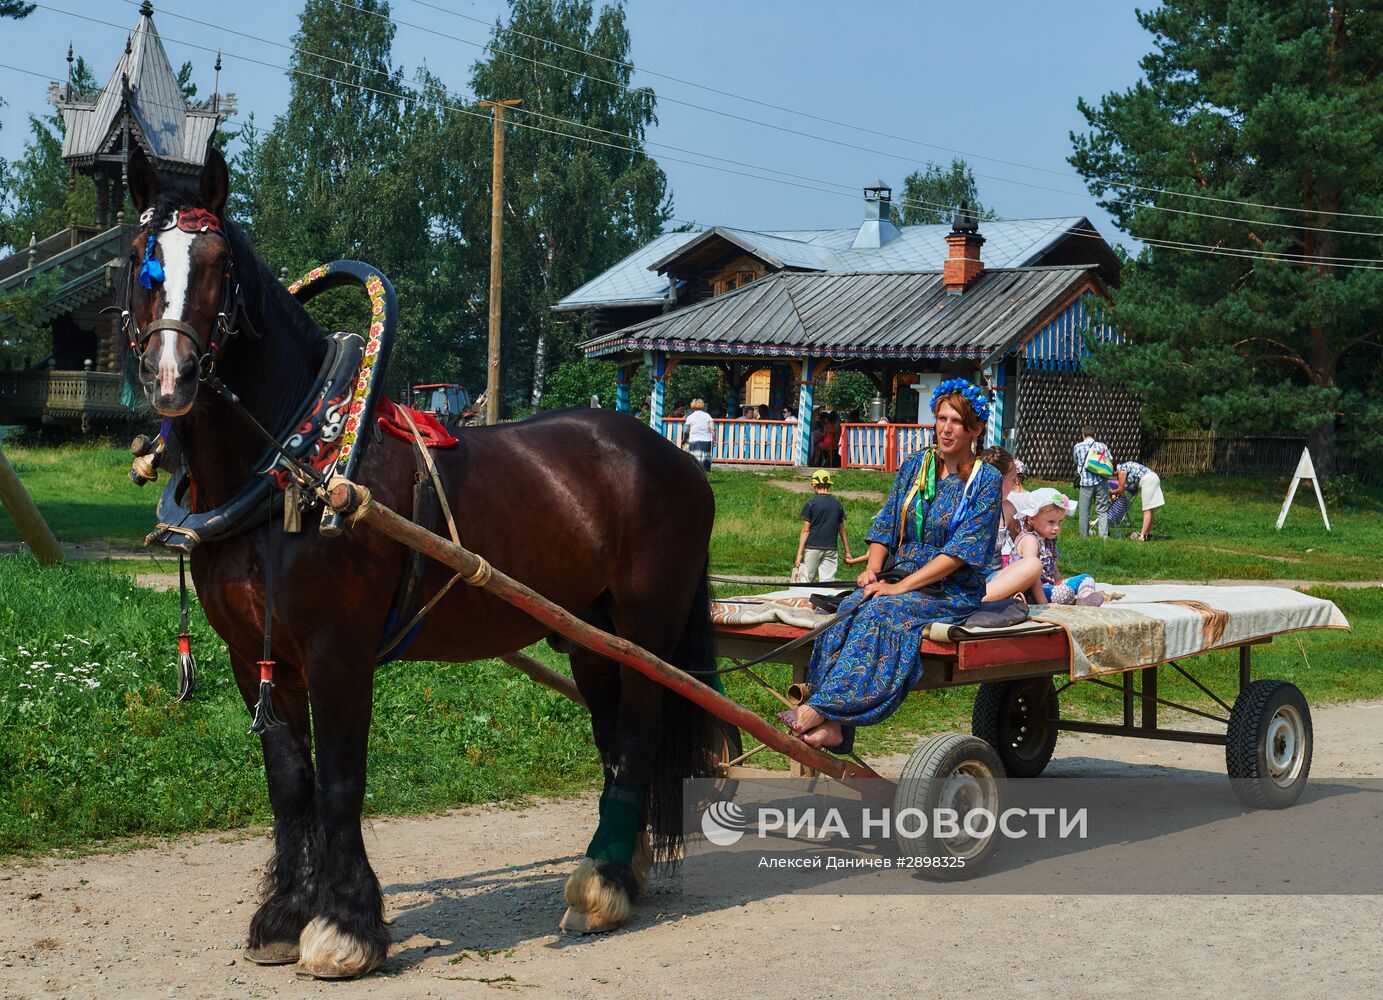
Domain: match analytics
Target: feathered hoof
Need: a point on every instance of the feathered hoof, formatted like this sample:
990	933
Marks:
599	897
328	951
273	953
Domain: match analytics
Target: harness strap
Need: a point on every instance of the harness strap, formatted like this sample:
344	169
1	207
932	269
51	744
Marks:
186	329
451	527
432	471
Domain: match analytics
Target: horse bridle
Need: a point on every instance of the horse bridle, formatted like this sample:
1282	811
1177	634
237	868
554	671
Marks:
228	316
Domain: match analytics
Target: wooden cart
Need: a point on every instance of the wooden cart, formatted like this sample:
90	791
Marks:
1267	730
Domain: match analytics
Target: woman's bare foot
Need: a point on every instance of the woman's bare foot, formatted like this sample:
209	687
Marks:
826	735
805	720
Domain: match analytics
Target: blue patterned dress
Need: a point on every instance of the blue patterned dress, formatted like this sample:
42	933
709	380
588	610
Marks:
863	667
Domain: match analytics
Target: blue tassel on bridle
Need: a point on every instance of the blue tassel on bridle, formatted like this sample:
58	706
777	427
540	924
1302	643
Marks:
150	270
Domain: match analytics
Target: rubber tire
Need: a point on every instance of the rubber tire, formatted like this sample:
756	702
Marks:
1246	744
729	745
990	721
920	787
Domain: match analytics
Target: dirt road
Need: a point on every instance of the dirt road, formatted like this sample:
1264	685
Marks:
475	897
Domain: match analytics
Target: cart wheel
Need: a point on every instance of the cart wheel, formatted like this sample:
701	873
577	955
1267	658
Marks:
1018	719
729	744
951	771
1268	745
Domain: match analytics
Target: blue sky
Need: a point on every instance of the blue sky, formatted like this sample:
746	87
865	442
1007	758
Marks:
996	79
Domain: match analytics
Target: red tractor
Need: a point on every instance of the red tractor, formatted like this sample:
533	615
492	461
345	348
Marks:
449	403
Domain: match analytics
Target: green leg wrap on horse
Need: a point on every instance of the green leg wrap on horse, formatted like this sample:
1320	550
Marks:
620	809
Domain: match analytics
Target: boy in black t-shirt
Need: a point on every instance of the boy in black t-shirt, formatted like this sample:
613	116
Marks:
823	521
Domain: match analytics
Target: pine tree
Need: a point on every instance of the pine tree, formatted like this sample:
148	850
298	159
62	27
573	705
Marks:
1277	103
16	9
39	200
932	194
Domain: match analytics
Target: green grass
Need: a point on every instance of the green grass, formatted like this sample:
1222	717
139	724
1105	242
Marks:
1211	528
86	764
84	493
93	749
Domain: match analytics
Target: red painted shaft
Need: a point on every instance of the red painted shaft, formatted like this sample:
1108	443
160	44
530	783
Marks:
348	499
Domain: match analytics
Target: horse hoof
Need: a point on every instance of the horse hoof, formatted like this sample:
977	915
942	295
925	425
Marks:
273	953
599	897
329	951
576	921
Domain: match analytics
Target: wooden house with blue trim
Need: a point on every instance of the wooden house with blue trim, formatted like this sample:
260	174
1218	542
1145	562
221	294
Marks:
1014	308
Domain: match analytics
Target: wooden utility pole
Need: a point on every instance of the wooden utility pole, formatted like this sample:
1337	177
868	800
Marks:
496	242
32	527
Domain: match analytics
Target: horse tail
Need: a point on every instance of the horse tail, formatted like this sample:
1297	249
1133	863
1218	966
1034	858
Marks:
690	734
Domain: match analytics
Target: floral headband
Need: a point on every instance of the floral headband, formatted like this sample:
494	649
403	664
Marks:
972	393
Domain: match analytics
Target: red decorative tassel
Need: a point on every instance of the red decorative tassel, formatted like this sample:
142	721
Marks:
264	717
187	668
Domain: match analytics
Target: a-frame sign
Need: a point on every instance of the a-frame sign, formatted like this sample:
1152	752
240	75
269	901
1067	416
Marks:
1305	470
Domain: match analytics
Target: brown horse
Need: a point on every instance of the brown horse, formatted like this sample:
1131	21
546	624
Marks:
589	507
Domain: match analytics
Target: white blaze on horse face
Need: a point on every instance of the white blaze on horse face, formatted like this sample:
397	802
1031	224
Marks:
177	274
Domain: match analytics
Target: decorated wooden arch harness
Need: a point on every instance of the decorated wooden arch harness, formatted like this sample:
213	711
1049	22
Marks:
325	438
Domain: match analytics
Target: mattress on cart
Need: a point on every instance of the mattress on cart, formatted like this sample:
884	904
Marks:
781	607
1146	624
1140	625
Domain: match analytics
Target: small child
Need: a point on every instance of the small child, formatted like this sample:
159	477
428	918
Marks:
823	524
1041	513
1012	471
1118	506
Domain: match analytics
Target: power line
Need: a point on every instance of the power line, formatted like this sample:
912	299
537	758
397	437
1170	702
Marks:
810	135
1266	255
862	128
711	156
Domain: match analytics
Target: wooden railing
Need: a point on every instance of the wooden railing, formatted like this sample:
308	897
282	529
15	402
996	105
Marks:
881	446
746	442
60	397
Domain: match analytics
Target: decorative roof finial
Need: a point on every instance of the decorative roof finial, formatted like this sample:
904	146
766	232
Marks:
216	91
69	71
146	9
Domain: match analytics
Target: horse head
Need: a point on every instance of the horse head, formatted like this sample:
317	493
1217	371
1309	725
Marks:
182	291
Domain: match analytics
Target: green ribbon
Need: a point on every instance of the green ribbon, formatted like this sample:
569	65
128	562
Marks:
926	488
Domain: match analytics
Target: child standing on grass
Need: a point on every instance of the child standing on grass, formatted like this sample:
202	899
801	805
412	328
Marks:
1033	567
823	522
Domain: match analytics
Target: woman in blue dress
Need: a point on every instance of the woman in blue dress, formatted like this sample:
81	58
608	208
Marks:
939	524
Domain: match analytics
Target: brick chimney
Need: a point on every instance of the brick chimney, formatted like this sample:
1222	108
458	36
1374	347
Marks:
963	265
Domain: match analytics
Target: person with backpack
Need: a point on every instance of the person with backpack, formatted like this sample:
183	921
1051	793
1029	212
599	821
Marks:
1094	466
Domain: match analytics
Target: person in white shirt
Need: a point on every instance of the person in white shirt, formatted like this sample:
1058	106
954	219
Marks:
699	433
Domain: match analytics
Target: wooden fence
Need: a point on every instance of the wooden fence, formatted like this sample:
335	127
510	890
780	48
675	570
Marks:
746	442
1210	454
881	446
1202	454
